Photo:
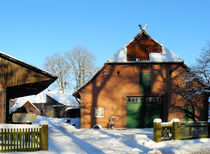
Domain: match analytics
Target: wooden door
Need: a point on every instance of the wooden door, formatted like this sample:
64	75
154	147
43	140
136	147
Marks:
141	111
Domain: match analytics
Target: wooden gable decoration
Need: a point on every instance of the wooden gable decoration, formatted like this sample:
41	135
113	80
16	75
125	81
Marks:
141	46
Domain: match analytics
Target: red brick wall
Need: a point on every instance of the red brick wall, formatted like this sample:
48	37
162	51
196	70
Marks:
109	90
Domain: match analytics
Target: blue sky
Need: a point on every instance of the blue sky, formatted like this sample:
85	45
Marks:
30	30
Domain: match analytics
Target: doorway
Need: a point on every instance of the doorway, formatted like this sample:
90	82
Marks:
141	111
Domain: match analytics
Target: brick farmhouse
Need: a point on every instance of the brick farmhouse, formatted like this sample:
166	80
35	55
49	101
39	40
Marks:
134	86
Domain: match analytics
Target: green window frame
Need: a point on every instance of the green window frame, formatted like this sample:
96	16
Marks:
188	113
144	82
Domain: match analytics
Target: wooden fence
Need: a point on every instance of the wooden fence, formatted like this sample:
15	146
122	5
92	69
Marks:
177	130
23	137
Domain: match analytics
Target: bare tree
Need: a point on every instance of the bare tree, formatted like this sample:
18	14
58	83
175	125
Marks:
195	83
57	64
202	68
189	90
82	64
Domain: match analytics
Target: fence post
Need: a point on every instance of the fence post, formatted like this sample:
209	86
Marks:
157	130
175	128
44	135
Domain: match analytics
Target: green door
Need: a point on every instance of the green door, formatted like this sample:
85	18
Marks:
133	114
141	111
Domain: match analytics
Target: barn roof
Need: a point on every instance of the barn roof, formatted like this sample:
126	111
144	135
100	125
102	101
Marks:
63	98
165	56
31	80
23	64
18	105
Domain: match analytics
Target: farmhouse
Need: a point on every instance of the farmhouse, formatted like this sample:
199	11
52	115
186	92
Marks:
135	86
19	79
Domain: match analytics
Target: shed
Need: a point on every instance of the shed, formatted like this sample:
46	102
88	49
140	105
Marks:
28	107
60	105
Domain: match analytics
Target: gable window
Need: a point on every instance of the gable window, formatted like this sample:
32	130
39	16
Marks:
99	112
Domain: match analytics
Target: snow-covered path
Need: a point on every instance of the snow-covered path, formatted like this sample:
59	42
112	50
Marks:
64	138
63	141
131	141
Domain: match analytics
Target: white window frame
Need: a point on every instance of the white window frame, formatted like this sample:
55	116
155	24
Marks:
99	112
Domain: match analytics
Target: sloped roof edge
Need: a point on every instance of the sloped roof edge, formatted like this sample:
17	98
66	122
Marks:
17	106
165	56
124	51
75	93
21	63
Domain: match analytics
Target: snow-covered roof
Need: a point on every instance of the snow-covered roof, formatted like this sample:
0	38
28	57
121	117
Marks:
65	99
121	57
19	104
39	98
165	56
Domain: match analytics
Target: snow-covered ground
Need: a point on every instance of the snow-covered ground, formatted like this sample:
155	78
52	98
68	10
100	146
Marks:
64	138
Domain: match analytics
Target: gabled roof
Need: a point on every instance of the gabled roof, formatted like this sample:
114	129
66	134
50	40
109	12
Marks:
23	64
18	105
24	79
165	56
63	98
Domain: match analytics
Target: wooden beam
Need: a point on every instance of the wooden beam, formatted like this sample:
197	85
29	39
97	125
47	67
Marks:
3	105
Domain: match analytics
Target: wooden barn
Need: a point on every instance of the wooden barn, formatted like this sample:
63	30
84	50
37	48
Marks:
19	79
54	109
61	105
134	86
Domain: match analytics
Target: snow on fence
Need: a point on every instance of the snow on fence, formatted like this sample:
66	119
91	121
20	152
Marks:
177	130
18	137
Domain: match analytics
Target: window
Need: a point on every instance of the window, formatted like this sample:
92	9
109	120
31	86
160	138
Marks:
144	82
188	113
99	112
140	99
